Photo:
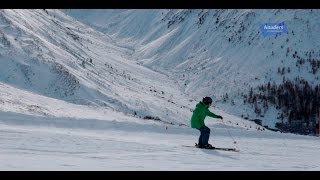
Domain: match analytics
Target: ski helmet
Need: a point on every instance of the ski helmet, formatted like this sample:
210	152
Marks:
207	100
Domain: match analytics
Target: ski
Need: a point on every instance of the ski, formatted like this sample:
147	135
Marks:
216	148
226	149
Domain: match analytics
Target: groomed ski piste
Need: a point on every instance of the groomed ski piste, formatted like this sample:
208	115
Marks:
62	144
79	137
47	123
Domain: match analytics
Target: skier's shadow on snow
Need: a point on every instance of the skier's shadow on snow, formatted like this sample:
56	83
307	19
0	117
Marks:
216	152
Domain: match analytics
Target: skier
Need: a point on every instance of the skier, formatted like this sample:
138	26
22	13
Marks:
197	121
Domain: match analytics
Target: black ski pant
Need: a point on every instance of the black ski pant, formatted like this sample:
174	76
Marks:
204	135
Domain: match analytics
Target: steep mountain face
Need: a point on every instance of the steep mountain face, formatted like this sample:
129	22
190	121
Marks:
222	53
47	54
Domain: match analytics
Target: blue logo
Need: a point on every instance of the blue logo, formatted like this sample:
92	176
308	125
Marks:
269	29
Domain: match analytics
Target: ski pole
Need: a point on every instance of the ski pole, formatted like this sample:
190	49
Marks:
234	141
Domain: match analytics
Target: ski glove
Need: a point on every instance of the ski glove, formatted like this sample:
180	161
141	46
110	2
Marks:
219	117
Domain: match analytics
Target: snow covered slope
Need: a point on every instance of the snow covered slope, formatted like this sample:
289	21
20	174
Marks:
73	98
50	54
216	52
86	145
49	60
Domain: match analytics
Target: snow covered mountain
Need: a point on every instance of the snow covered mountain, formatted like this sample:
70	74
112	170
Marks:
48	59
74	98
221	53
49	54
